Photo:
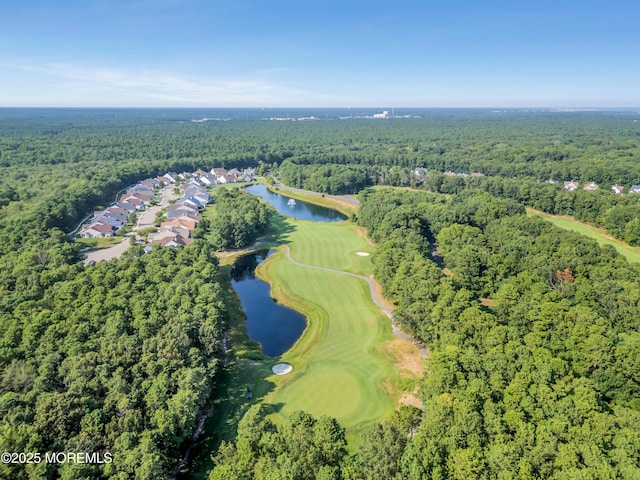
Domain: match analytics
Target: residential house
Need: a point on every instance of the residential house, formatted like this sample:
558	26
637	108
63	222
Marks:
150	183
126	206
97	230
203	197
184	216
634	189
591	186
227	178
216	172
571	186
207	179
171	239
133	200
189	202
144	196
617	189
248	175
172	176
419	172
192	190
188	224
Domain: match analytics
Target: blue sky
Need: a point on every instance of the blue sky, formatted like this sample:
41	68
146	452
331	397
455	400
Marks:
243	53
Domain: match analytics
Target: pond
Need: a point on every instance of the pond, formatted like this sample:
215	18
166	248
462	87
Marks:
300	209
272	325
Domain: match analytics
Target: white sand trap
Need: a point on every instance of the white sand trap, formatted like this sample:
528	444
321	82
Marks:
281	368
362	254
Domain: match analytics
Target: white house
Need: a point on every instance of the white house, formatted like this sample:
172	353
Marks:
571	186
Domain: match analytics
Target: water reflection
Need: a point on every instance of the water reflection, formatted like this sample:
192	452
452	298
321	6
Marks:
301	209
272	325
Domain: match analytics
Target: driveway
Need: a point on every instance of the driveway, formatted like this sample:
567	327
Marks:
145	220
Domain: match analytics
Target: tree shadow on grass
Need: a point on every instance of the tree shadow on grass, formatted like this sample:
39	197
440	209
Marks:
241	384
280	230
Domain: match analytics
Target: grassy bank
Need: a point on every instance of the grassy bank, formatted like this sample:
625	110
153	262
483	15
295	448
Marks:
99	243
329	201
632	254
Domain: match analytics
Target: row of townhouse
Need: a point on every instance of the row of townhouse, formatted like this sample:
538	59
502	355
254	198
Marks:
193	184
591	186
105	223
182	217
215	176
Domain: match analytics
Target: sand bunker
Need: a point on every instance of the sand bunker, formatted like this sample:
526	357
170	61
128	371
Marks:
281	368
362	254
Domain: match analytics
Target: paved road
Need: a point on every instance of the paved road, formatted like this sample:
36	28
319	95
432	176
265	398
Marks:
374	296
145	219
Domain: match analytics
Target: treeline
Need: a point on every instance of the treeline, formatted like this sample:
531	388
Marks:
115	358
309	448
331	179
533	335
238	218
619	215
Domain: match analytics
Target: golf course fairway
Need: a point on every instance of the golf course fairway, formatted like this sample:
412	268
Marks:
632	254
340	364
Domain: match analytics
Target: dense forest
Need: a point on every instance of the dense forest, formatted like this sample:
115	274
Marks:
237	220
534	338
533	331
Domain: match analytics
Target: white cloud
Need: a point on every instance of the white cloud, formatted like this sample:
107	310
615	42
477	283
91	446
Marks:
67	84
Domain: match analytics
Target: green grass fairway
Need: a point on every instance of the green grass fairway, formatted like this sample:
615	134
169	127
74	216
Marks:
632	254
331	245
340	365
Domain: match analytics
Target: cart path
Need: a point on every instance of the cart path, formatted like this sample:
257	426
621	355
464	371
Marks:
374	296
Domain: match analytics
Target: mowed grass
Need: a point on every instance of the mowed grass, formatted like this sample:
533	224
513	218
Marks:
340	365
632	254
331	245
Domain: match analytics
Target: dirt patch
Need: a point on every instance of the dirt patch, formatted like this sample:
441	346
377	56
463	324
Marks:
411	399
361	232
407	358
487	302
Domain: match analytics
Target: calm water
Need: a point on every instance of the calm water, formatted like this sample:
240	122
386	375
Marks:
301	210
272	325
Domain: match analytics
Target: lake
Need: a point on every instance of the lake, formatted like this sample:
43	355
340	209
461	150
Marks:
272	325
301	210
